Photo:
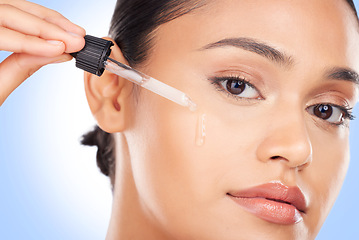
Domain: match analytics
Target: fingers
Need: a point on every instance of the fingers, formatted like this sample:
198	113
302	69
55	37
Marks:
48	15
37	36
18	67
19	43
27	24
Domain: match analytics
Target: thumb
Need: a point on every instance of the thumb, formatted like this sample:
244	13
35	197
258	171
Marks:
18	67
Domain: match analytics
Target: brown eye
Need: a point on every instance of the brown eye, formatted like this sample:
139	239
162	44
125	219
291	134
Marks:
323	111
330	113
238	88
235	87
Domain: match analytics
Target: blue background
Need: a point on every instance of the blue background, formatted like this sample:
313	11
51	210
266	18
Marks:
49	184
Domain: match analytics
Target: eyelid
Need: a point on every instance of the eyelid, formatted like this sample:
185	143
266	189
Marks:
218	80
233	72
251	74
332	97
346	114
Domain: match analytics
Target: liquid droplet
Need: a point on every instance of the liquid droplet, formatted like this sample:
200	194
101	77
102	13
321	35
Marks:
201	130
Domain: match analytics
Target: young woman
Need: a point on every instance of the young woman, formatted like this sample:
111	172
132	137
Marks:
265	153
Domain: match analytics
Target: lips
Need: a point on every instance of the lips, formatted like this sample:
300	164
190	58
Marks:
273	202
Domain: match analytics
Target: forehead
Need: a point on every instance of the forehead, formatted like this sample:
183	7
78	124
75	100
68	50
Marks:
325	28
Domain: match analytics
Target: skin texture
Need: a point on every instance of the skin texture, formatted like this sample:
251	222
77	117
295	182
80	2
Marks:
168	187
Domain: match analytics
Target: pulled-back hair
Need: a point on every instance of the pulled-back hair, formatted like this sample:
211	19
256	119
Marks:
133	27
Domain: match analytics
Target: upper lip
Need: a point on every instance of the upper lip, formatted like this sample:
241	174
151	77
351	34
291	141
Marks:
275	191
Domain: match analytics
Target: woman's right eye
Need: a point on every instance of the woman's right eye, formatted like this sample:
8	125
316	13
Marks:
237	87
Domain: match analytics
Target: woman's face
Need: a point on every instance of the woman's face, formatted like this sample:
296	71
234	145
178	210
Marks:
273	81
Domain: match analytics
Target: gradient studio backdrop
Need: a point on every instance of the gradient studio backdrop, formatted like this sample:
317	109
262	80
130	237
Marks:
50	187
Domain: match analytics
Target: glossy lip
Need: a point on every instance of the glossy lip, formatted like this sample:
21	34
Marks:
273	202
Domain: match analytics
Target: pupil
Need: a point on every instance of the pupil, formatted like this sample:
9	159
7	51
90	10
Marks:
323	111
235	87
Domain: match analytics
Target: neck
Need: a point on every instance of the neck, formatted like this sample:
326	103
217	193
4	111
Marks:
129	219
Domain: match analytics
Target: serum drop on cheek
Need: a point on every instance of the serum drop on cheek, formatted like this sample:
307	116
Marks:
201	130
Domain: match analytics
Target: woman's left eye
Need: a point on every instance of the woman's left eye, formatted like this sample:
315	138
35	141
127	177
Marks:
331	113
237	87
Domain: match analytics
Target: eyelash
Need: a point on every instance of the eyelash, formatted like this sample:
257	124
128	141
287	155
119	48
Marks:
346	111
218	81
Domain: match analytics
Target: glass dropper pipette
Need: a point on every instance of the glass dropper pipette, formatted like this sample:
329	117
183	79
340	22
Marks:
94	58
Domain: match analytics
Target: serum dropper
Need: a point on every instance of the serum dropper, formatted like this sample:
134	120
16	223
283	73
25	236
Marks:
94	58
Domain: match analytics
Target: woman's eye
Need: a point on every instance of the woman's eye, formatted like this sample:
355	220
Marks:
239	88
330	113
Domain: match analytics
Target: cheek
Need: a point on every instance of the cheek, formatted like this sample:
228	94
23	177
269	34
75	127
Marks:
167	165
179	181
326	173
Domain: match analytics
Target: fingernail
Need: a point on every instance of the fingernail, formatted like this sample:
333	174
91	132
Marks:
75	35
54	42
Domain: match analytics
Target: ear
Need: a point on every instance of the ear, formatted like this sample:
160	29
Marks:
109	96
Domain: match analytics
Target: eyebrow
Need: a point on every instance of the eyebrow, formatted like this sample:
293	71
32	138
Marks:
345	74
255	46
274	55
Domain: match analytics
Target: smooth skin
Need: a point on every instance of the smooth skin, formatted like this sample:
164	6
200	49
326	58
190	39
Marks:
37	36
166	187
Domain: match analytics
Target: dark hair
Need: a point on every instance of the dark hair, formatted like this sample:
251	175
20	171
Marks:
133	25
352	5
105	153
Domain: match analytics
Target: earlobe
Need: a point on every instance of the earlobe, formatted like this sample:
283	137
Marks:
108	97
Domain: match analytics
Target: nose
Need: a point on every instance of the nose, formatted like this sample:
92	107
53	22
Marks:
286	139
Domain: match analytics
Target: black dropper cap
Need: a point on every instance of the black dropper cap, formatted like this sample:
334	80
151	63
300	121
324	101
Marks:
92	57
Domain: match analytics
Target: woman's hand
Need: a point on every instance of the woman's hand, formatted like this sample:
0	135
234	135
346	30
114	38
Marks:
37	36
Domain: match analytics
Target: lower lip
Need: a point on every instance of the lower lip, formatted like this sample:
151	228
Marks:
269	210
